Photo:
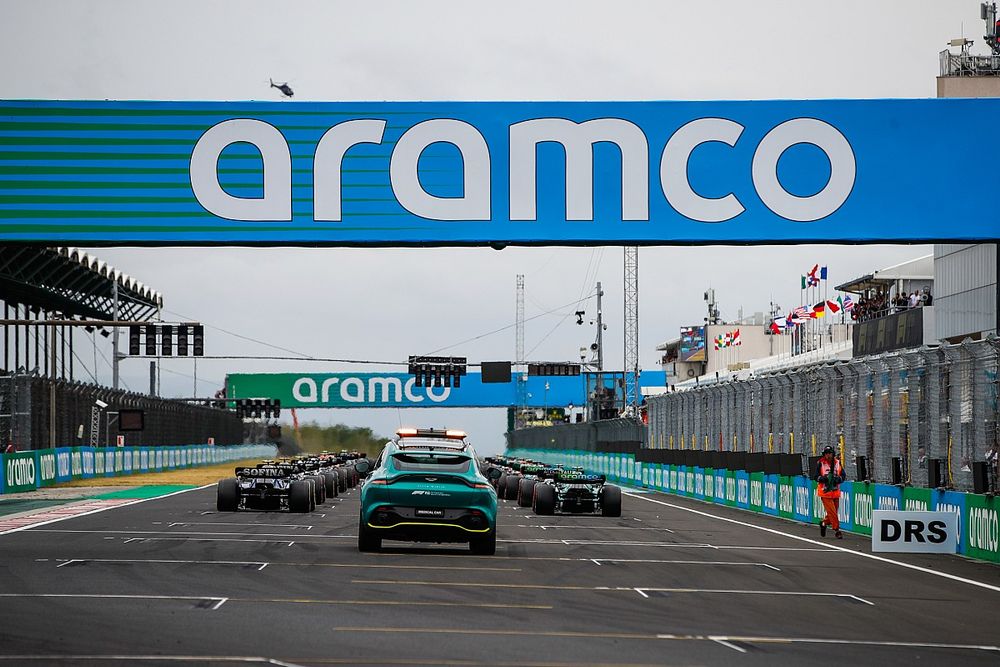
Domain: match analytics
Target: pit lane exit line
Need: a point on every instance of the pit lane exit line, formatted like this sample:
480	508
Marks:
641	590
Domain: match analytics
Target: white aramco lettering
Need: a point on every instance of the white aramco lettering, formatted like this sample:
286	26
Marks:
578	140
276	204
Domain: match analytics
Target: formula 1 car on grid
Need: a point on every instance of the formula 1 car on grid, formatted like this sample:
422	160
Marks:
270	485
507	485
573	491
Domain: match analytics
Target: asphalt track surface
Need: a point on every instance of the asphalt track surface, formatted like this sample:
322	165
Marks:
672	582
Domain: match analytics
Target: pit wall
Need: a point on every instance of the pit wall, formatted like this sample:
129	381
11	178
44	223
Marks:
27	471
792	498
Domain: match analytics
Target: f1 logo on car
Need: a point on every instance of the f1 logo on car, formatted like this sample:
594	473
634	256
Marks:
914	532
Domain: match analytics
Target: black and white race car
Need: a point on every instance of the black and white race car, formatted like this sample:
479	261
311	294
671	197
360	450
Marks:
268	486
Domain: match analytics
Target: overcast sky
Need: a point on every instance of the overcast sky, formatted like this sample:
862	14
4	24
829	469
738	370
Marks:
386	304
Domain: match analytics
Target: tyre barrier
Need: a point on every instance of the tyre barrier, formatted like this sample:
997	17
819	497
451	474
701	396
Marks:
774	484
35	469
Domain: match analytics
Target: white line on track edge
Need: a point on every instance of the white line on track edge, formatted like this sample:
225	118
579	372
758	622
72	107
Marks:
945	575
102	509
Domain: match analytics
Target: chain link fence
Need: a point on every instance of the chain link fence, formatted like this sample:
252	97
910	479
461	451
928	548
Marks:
902	412
25	416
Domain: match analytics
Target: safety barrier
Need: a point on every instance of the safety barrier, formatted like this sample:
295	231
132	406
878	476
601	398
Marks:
27	471
924	417
790	497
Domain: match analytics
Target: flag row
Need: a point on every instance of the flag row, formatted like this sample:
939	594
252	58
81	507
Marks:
803	314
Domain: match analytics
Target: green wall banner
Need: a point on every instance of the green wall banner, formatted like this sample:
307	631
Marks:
983	527
46	461
20	472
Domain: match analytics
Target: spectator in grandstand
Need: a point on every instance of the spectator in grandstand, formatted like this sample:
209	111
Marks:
921	457
926	299
900	303
914	300
829	475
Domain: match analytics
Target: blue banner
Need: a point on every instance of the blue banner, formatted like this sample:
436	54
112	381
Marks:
473	173
888	497
953	501
804	495
64	464
770	500
743	489
87	462
845	513
383	390
720	486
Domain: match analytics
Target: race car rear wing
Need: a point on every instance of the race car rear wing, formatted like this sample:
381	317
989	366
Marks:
577	478
267	472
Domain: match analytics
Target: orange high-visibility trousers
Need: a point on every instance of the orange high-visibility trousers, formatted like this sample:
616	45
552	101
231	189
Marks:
832	505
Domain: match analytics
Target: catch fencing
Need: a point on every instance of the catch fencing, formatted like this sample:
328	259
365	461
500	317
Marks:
25	416
907	415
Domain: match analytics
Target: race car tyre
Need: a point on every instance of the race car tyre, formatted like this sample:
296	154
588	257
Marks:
320	489
367	539
525	491
611	501
312	493
501	486
330	482
510	493
352	477
228	496
484	546
300	497
544	499
341	479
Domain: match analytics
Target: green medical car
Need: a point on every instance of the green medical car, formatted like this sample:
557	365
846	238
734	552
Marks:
427	486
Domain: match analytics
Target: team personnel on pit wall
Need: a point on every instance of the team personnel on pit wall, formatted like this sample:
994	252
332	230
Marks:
829	476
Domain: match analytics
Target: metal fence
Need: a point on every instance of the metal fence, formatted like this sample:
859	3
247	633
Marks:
965	64
25	416
586	436
899	410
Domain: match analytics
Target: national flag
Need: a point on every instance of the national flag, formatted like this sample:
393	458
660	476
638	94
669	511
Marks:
735	340
832	307
819	310
812	279
848	302
795	319
822	273
801	312
778	325
803	282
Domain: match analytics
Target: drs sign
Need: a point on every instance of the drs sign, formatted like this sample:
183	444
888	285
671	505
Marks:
914	532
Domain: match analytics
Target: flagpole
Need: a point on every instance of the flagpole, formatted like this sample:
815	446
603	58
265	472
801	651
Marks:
826	288
801	298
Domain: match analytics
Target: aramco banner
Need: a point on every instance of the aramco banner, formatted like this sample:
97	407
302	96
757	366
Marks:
476	173
384	390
